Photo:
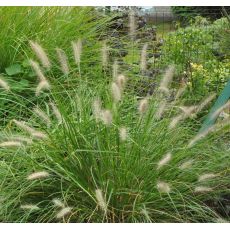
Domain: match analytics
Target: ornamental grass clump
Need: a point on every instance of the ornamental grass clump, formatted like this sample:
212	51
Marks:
112	156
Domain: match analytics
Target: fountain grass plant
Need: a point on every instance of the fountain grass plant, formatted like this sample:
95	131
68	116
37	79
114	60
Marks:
96	153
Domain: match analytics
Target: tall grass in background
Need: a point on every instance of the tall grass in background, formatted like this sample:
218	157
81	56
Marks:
100	154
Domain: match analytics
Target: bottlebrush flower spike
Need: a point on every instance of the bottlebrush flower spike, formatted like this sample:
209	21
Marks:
104	53
167	79
143	106
58	203
97	110
37	70
132	24
186	164
163	187
63	60
43	116
123	133
202	189
38	175
121	81
143	63
207	176
63	212
164	160
4	84
106	117
30	207
56	112
77	50
41	54
116	92
115	70
11	144
43	85
100	200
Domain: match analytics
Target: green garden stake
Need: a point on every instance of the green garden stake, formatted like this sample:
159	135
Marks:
222	99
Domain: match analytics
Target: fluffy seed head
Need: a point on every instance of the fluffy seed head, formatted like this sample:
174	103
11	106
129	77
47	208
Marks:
38	175
180	93
207	176
56	112
63	212
30	207
39	135
204	103
163	187
106	117
202	189
187	112
100	200
143	63
132	24
77	50
167	79
20	139
161	109
4	84
22	125
121	80
115	69
42	115
186	164
40	53
43	85
58	203
143	106
164	160
37	70
96	107
63	60
123	134
218	111
201	135
104	53
116	92
11	144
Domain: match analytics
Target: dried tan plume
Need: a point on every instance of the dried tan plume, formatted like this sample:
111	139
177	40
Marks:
163	187
115	70
38	175
63	212
116	92
132	24
77	50
30	207
205	102
63	60
37	69
123	133
121	81
143	63
143	106
97	109
11	144
106	117
167	79
187	112
4	84
187	164
43	85
218	111
20	138
161	109
206	176
58	203
42	115
56	112
202	189
104	53
41	54
165	160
